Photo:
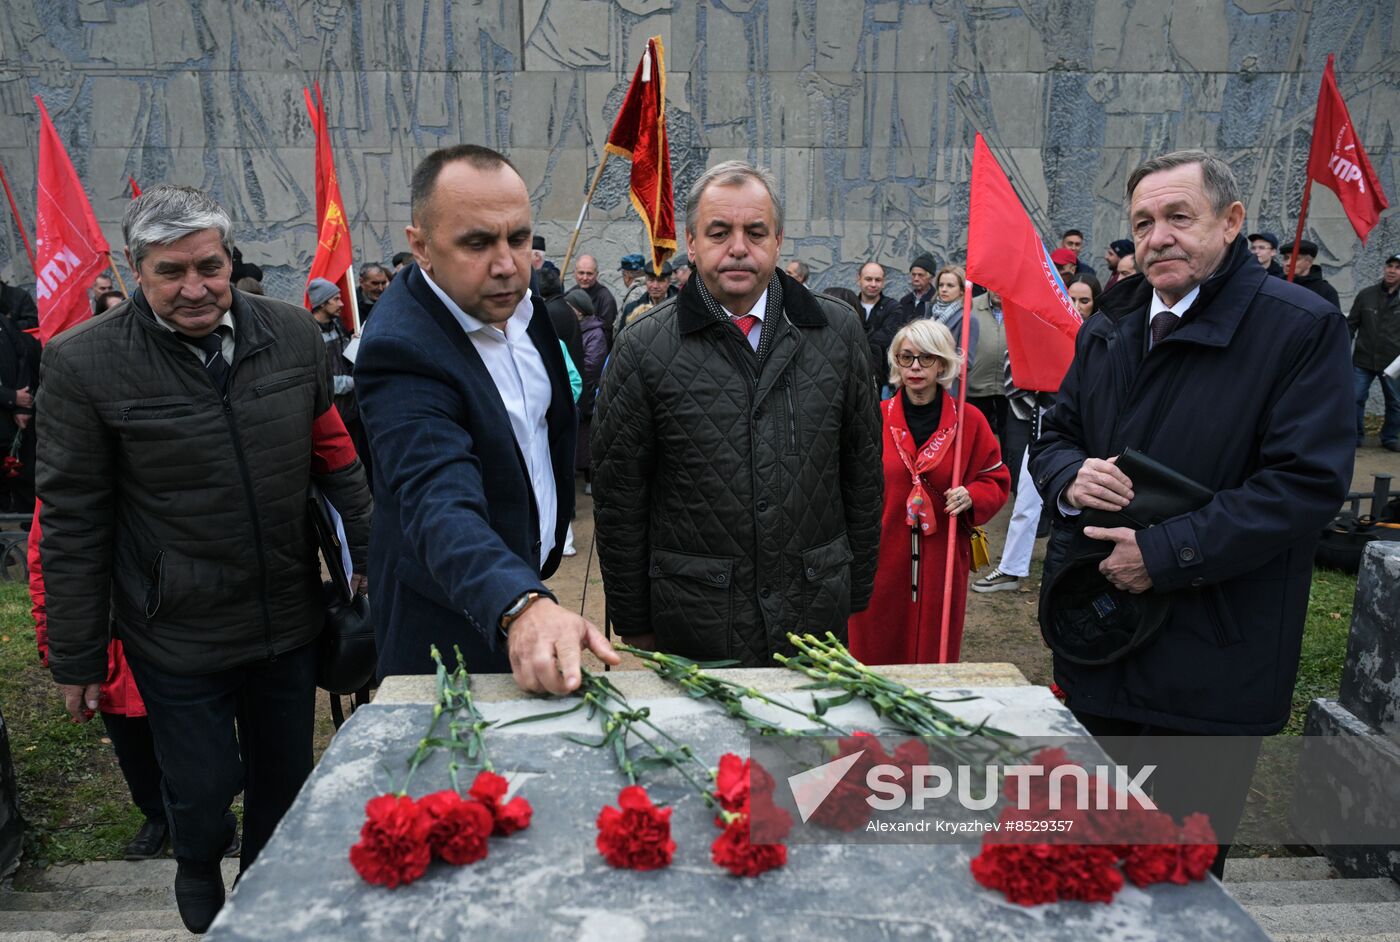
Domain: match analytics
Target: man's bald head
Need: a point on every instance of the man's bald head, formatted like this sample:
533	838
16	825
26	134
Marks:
586	271
425	177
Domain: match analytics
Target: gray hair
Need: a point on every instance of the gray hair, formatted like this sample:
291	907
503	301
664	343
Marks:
732	173
167	213
1220	184
802	269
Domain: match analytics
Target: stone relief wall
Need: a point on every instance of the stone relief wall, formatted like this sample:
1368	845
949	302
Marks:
865	109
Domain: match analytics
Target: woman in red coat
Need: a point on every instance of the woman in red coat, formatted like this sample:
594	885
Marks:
918	425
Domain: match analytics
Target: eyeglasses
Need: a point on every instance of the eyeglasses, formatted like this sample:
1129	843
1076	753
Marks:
907	359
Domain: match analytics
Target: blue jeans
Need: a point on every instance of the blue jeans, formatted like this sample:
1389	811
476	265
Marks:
247	728
1390	393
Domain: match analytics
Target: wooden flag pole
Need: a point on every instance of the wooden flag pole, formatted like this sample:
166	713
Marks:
1298	236
19	223
573	239
112	264
951	562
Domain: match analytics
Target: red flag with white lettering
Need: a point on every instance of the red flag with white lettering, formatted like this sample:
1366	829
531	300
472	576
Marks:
69	248
1006	255
1339	162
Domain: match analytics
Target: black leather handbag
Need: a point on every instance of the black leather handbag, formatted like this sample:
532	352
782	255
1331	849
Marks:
347	656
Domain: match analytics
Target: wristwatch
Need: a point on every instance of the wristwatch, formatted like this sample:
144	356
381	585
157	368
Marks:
517	608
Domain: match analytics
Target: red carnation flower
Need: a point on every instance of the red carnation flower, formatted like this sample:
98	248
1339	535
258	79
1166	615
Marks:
732	782
1024	873
458	827
1179	863
768	824
489	788
393	847
636	835
1088	874
733	851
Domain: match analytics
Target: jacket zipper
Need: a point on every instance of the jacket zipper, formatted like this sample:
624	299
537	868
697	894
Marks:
252	504
792	419
257	526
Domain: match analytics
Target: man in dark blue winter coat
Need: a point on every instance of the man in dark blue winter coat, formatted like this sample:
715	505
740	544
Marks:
1240	382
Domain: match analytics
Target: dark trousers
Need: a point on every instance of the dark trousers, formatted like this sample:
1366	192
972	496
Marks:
1233	766
995	409
1013	446
136	755
247	728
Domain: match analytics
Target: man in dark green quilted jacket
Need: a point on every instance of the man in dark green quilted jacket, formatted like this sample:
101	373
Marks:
180	434
737	480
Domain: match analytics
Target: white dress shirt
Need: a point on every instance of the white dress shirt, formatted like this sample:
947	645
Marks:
758	309
523	383
226	338
1156	307
1179	308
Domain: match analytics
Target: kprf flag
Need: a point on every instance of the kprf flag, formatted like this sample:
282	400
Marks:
1339	162
639	134
69	248
333	252
1005	254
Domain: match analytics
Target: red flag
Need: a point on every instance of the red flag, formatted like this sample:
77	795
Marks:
639	134
135	190
69	248
333	252
1339	162
1005	255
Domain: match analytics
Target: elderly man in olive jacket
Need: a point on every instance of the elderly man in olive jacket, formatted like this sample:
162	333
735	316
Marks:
182	431
737	480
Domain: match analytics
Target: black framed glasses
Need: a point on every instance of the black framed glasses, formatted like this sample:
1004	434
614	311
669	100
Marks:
926	360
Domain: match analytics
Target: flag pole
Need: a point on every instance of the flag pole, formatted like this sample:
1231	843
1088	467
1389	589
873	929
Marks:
112	264
573	239
950	562
1298	236
19	223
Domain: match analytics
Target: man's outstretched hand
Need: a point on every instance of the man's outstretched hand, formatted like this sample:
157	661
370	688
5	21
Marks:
545	644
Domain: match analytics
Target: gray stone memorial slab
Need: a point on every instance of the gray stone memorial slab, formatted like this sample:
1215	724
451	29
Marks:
549	882
1368	710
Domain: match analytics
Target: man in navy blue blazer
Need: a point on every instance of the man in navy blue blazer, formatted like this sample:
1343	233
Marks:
462	385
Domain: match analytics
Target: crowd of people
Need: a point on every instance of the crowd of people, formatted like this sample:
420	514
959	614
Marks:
762	458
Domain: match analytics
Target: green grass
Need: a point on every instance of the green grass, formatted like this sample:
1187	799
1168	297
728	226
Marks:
74	801
1324	643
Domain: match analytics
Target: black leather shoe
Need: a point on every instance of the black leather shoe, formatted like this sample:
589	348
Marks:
199	893
149	842
235	844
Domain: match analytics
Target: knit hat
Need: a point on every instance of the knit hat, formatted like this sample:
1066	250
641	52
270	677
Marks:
1121	247
580	301
320	291
926	262
537	243
1268	237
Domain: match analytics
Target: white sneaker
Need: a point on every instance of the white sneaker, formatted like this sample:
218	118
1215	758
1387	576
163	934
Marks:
997	581
569	543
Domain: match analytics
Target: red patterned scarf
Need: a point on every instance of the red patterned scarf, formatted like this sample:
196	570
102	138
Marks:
919	506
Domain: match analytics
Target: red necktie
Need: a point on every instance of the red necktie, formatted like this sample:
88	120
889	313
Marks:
745	323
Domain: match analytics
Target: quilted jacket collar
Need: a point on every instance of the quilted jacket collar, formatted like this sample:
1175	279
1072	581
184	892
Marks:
801	309
250	331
